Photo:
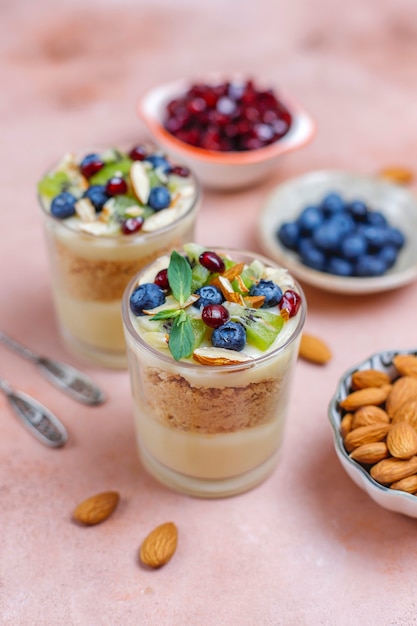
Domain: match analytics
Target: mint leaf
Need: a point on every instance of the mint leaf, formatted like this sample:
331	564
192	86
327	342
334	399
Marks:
181	337
167	314
179	277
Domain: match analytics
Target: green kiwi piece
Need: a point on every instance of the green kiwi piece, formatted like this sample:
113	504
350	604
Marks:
199	330
199	277
193	251
122	166
55	183
262	327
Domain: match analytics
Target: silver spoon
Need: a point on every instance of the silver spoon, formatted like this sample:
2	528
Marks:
71	381
39	421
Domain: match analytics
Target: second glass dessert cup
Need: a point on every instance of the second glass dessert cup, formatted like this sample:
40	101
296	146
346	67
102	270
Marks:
211	430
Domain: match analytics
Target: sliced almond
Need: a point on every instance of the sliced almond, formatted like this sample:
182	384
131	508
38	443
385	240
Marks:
173	304
219	356
234	271
161	218
241	284
254	302
227	290
140	182
85	210
369	378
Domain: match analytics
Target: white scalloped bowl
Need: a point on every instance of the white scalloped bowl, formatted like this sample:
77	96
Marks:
223	170
391	499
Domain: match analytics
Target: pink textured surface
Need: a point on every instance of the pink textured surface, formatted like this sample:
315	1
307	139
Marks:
306	547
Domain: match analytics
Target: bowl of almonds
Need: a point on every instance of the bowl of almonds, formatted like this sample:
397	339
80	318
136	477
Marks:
374	419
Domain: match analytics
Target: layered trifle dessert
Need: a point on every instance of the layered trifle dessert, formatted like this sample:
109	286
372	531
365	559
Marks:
108	214
212	339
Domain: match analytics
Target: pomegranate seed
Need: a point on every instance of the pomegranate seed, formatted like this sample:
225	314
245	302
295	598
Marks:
180	170
214	315
291	301
138	153
212	261
116	186
90	165
132	225
161	279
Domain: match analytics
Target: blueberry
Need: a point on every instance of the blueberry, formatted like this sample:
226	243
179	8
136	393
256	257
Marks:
288	234
353	246
375	218
63	205
332	203
341	267
309	219
388	254
158	161
342	222
312	256
369	265
358	210
395	237
376	236
327	237
159	198
269	289
97	196
231	336
209	294
146	296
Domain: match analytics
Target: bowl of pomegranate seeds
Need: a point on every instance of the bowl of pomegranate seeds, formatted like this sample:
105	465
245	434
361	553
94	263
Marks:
232	133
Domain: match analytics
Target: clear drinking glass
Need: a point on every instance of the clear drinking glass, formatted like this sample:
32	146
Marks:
90	273
211	431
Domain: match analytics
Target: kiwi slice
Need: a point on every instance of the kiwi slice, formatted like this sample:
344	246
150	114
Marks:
199	330
199	277
262	327
122	165
193	251
55	183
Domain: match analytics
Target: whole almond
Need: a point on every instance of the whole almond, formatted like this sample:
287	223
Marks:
405	364
314	349
369	378
402	440
408	484
370	414
397	174
160	545
364	397
365	434
96	509
346	424
406	412
404	388
390	470
370	453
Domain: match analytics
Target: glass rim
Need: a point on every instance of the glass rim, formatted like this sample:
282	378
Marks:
145	236
168	359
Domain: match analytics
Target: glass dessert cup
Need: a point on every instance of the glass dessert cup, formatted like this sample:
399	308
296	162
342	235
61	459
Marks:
207	430
89	274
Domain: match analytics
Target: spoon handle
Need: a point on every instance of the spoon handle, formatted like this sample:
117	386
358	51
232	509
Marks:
18	348
71	381
35	417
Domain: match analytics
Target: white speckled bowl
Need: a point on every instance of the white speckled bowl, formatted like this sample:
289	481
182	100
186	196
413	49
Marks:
223	170
391	499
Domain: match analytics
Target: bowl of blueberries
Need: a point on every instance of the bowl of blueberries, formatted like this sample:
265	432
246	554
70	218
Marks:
231	131
342	232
